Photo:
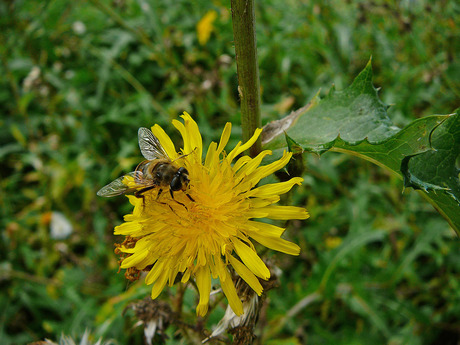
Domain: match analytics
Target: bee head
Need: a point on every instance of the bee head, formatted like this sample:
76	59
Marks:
180	180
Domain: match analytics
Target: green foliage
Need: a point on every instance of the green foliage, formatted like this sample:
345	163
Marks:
79	79
355	121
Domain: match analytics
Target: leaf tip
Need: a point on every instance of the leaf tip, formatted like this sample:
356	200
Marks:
369	63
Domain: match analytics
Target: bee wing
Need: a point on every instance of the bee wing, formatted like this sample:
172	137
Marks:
117	187
150	145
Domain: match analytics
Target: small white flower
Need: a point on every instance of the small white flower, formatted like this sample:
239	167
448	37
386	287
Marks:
69	74
145	6
206	85
60	226
31	78
79	27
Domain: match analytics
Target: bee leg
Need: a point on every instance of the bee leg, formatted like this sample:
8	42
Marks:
140	194
159	192
143	201
172	196
188	196
163	203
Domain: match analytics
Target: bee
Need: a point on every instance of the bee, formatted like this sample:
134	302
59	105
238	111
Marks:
157	171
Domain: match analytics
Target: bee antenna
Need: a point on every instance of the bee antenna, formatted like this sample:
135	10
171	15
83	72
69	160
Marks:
182	156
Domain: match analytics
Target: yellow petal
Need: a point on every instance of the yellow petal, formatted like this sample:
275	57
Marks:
252	165
251	141
138	204
224	137
241	162
133	200
165	141
265	228
201	258
246	275
269	169
221	269
269	190
172	276
196	142
205	27
240	148
283	212
232	153
229	290
143	244
275	243
135	260
159	285
127	250
258	203
186	276
155	272
251	259
203	282
256	213
211	156
127	228
185	136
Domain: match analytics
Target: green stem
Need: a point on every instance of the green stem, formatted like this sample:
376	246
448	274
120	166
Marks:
244	34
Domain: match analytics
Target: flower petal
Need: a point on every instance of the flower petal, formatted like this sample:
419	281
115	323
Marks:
251	259
159	284
265	228
256	213
246	274
165	141
196	142
272	189
240	148
258	203
185	136
276	243
283	212
269	169
211	156
224	137
252	165
135	260
203	282
127	228
230	292
269	236
155	272
240	162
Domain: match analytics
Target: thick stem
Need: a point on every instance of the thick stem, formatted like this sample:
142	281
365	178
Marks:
244	34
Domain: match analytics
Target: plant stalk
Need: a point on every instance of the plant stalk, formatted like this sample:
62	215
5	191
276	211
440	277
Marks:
244	35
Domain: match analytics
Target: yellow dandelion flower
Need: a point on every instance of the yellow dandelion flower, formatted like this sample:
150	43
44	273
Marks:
202	230
333	242
205	27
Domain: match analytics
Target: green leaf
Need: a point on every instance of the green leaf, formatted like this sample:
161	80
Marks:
355	121
435	169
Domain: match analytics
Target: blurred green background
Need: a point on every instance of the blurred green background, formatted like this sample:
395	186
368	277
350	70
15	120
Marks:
79	78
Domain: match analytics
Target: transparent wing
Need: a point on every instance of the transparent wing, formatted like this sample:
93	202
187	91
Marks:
117	187
150	145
